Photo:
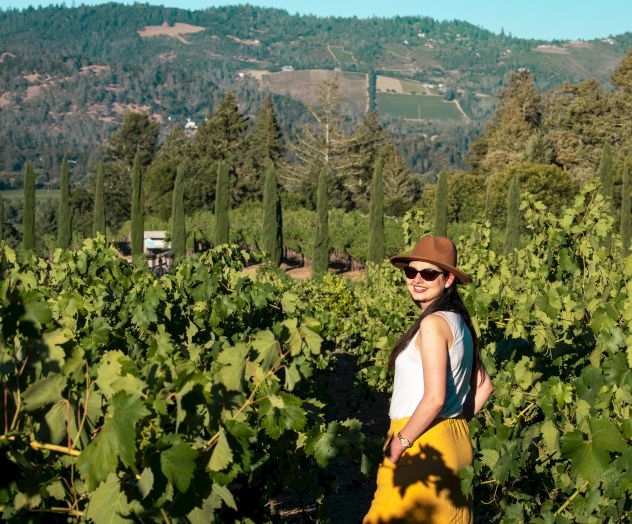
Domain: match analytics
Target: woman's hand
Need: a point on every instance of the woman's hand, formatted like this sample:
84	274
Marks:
394	450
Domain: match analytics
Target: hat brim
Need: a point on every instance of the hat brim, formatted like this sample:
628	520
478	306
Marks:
401	261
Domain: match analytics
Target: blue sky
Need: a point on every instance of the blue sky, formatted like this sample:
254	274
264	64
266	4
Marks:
548	19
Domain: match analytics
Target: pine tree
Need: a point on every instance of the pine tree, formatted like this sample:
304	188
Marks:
320	259
324	144
272	234
368	141
626	212
397	181
262	144
178	226
220	138
28	238
138	219
98	217
441	205
64	232
221	205
376	216
512	229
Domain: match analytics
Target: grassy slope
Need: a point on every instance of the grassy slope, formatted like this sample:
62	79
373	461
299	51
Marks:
417	106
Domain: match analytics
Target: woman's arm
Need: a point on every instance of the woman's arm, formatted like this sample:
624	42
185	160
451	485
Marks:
484	388
434	334
478	395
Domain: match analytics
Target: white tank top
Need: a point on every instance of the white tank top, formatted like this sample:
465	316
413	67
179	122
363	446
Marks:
408	387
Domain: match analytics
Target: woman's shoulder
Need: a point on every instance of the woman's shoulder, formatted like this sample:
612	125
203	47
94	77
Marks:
435	324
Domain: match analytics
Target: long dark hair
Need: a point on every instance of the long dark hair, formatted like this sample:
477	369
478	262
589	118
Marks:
449	300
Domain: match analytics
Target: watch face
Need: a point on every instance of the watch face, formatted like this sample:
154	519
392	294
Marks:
403	441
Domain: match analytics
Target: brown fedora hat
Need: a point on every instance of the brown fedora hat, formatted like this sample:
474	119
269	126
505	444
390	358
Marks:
439	251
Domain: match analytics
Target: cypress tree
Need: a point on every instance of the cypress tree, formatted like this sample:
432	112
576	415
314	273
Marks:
512	229
606	185
272	235
28	235
138	223
64	233
441	205
376	215
178	226
320	260
1	218
221	205
605	172
626	216
98	218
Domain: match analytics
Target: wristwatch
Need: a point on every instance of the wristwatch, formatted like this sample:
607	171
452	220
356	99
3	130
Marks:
404	441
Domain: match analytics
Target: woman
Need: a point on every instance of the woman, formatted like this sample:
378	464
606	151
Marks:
439	380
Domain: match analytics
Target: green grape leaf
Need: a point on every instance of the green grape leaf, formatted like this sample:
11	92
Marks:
222	455
550	437
606	436
320	444
178	464
56	422
587	459
225	495
117	440
233	362
108	504
146	482
267	348
490	457
44	391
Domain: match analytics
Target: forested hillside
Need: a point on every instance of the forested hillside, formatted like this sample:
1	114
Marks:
68	75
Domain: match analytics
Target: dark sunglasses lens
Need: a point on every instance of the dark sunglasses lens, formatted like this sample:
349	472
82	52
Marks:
410	272
427	274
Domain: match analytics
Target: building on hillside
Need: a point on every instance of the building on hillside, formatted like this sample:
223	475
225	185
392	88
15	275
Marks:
190	127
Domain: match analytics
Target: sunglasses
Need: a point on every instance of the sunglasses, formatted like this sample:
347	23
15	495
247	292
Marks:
426	274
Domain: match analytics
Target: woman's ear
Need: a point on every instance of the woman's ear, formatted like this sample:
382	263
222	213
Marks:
450	280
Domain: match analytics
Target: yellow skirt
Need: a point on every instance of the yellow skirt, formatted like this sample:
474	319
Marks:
424	486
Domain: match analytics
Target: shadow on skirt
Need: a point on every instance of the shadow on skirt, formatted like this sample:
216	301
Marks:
424	485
